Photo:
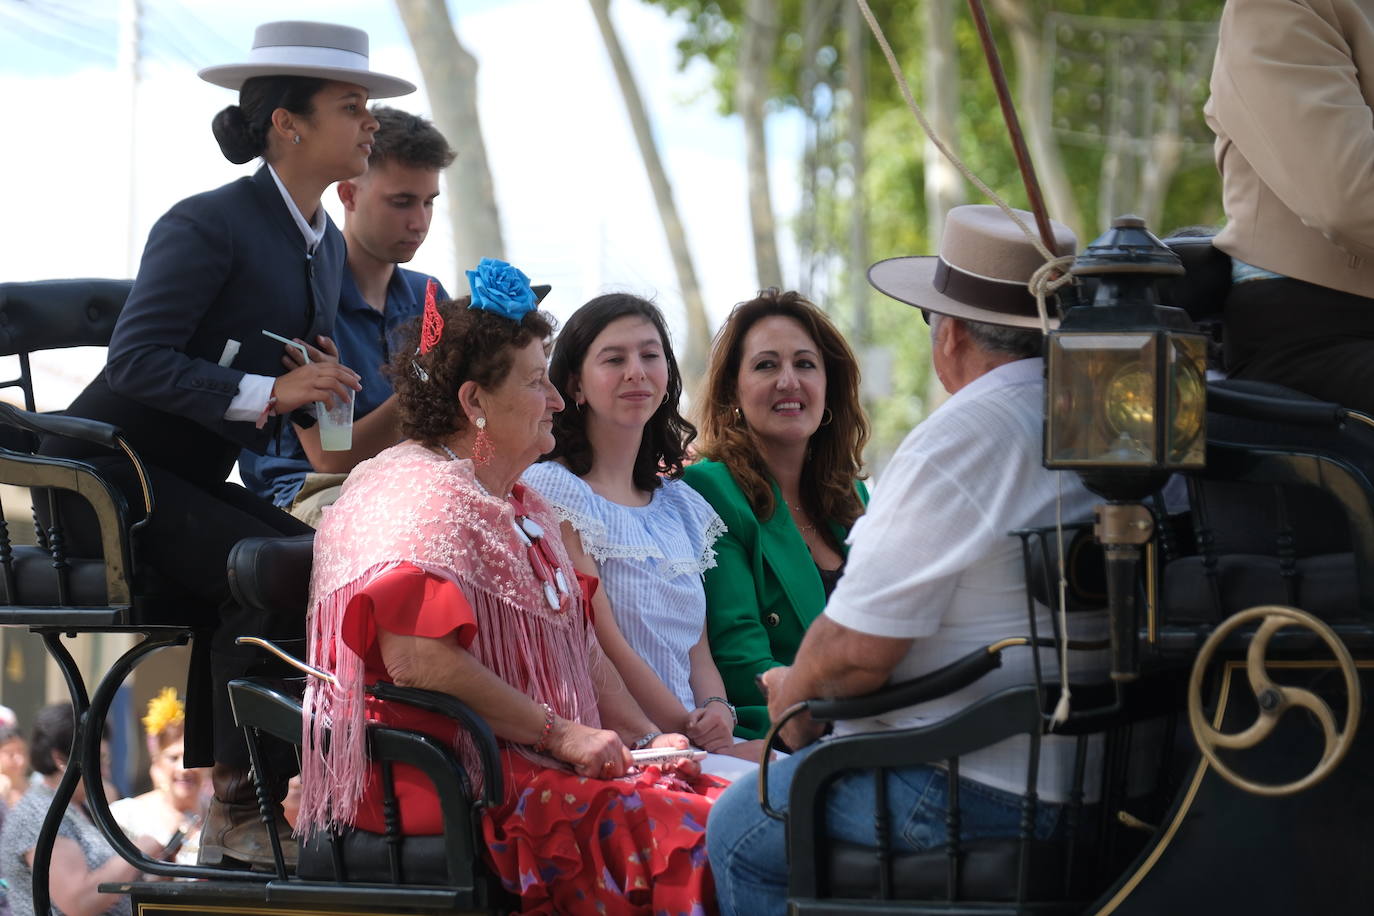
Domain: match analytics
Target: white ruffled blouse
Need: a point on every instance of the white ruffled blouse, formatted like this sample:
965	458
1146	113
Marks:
651	561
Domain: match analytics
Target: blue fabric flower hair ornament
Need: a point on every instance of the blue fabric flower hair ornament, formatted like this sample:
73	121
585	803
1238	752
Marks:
500	288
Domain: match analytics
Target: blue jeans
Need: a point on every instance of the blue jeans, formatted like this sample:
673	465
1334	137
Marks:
748	850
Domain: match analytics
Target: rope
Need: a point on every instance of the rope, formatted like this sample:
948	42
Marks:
1047	279
949	154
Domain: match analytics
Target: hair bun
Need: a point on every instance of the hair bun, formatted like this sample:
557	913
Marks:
234	136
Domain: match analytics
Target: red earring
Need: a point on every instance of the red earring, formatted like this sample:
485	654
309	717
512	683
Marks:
481	446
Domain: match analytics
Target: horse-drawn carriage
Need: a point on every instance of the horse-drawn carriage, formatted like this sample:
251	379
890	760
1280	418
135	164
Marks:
1224	770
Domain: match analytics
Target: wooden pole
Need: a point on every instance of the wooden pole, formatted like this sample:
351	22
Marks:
1018	139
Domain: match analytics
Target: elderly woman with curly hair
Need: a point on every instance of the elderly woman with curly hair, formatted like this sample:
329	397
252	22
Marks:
438	569
784	434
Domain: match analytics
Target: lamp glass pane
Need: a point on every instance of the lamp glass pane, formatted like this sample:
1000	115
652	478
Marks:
1102	394
1187	432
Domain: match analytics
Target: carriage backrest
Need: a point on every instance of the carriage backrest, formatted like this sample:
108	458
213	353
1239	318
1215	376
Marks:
1283	512
1201	291
53	315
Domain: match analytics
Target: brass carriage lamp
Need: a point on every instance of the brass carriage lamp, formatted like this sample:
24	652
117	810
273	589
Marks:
1125	403
1125	376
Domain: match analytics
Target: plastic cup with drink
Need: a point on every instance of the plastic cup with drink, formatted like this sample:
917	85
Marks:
336	423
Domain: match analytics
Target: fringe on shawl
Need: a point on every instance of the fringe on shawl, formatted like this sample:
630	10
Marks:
333	748
543	655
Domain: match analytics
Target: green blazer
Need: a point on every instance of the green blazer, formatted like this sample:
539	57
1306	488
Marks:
761	595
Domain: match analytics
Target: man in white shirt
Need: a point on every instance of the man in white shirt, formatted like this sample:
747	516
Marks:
932	573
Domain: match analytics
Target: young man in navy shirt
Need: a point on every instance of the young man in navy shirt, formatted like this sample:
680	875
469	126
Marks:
387	212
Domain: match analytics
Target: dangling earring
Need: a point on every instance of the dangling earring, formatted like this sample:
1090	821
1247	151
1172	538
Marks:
739	416
481	446
826	416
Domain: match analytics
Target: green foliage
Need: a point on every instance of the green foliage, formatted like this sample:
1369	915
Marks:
1152	54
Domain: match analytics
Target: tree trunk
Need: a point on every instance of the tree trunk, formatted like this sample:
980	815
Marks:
944	184
818	20
693	359
1034	108
808	225
450	75
757	46
1114	176
1157	173
856	54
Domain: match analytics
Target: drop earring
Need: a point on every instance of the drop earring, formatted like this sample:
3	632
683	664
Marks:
481	446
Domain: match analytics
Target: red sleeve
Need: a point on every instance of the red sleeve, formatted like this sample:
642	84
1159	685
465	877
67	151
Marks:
589	585
409	602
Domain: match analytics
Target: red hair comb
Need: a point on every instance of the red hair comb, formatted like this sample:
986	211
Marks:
432	327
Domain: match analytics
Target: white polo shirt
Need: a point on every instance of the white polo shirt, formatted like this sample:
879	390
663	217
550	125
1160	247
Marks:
931	560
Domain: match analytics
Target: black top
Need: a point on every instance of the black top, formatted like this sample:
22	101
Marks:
830	578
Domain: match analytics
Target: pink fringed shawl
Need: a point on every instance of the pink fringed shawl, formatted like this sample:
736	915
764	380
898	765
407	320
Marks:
409	505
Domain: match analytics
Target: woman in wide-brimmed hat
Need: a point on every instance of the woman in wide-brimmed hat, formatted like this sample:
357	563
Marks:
192	380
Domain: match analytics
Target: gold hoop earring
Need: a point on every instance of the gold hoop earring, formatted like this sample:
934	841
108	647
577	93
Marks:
826	416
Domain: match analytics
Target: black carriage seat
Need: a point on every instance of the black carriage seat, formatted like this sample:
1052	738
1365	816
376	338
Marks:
1008	875
45	589
975	876
42	580
273	574
1282	514
1201	291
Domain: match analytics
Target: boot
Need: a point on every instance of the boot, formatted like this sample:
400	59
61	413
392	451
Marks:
234	834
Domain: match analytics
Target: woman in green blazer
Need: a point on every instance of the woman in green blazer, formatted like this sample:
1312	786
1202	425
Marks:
783	433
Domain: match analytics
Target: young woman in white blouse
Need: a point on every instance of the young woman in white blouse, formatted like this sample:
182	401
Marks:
614	477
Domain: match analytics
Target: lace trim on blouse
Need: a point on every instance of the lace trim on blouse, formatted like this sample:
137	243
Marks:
612	531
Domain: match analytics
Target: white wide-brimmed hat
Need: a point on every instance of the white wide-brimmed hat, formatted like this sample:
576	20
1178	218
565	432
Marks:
319	49
981	273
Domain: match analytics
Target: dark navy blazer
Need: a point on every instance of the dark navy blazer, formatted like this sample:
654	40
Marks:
366	339
219	266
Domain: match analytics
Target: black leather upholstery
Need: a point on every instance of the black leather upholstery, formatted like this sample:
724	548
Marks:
1323	585
272	574
55	314
1272	527
366	857
36	580
1201	291
988	872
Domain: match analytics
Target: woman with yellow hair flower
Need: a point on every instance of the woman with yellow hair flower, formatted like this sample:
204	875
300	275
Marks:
171	812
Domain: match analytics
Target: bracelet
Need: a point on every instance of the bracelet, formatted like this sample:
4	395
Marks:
644	740
269	411
734	717
542	744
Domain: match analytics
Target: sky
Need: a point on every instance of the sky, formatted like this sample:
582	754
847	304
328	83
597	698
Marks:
91	164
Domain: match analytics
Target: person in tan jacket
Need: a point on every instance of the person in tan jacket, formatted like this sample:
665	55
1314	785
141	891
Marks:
1292	86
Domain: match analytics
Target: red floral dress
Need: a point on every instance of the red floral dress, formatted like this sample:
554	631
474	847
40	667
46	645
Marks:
562	842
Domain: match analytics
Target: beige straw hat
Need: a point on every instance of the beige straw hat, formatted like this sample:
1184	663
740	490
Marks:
981	272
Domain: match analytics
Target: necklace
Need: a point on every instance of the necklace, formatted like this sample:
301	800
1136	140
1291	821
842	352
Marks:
477	480
531	535
800	513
